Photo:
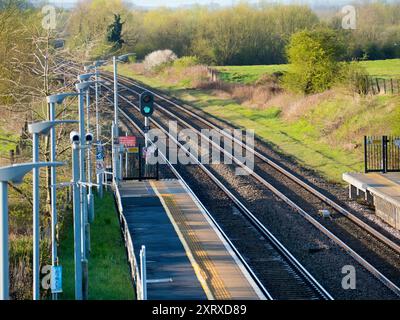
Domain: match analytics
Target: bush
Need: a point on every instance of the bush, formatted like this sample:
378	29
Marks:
132	59
159	58
313	58
186	62
357	78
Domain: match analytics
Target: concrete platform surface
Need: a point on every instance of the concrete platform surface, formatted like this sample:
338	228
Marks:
166	257
381	190
386	186
182	243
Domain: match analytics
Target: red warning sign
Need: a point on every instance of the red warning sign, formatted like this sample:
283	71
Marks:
128	141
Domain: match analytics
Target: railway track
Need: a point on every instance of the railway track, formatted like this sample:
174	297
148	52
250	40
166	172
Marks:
188	119
283	271
198	122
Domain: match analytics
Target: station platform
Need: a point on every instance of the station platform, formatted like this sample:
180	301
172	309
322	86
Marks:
182	245
380	190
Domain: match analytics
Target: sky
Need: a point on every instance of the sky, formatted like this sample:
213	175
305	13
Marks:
157	3
177	3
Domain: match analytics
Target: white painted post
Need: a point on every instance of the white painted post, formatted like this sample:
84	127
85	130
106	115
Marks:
36	220
143	272
4	266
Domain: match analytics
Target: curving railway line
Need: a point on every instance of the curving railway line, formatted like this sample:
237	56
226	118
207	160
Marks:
360	240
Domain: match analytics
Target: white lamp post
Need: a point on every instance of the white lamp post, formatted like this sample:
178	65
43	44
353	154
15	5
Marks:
115	125
14	174
37	129
52	101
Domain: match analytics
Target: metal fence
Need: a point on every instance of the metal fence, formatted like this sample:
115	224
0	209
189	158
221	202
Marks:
138	273
136	167
382	154
375	86
386	86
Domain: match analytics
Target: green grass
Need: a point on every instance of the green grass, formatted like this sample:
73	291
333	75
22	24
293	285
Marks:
326	138
7	142
109	277
300	139
383	68
250	74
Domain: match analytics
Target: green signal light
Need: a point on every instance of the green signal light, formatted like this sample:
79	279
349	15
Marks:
147	109
146	104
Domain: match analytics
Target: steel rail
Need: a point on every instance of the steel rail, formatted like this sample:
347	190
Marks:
178	176
285	172
321	291
308	217
277	244
387	282
362	224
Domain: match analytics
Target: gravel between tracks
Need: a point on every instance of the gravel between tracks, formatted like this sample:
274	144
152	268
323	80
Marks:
317	253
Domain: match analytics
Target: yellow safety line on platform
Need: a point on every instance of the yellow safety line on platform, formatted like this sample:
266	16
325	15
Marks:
202	263
192	260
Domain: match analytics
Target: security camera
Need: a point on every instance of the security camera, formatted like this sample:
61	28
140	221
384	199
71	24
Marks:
74	137
89	138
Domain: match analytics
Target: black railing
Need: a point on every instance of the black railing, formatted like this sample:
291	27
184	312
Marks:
137	168
382	154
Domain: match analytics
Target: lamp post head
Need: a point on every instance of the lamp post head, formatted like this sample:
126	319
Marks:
45	126
86	76
16	173
82	86
99	63
124	56
88	68
59	98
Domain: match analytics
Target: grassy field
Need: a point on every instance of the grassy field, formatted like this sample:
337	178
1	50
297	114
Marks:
250	74
109	277
383	68
7	142
322	132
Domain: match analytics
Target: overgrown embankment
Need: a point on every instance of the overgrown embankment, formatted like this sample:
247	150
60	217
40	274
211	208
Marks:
322	131
109	277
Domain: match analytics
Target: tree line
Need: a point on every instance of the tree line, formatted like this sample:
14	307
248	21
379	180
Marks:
29	71
241	35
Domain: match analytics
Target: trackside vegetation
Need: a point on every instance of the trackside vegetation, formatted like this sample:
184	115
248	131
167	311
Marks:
389	68
322	131
278	72
109	277
245	34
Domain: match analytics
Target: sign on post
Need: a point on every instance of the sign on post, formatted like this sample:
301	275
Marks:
56	279
99	151
128	141
132	150
100	166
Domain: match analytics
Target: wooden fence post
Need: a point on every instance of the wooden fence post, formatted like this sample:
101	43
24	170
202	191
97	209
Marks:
391	84
12	157
377	85
372	85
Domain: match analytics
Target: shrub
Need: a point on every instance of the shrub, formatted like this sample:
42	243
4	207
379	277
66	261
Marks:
357	78
158	58
313	56
186	62
132	59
